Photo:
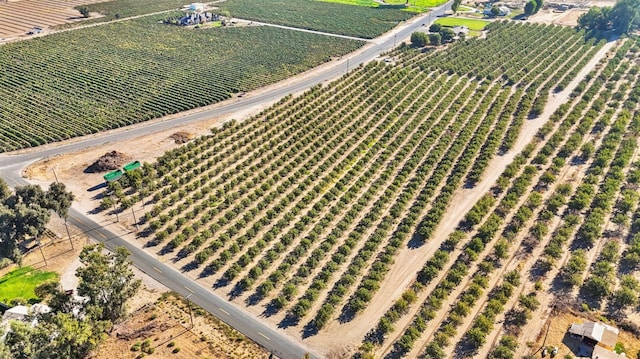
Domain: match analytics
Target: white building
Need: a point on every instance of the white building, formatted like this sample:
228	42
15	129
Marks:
502	11
197	6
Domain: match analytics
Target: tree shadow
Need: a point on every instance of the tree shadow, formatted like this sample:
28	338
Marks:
288	321
207	271
168	248
539	270
346	315
416	241
310	330
193	265
271	309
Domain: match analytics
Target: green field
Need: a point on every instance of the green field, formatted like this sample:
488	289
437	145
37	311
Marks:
417	5
84	81
367	3
410	6
472	24
21	282
337	18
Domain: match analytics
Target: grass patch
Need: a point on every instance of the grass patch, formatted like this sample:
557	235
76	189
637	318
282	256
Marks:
21	282
465	8
417	5
472	24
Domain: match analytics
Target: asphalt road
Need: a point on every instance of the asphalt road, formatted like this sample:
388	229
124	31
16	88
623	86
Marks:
11	166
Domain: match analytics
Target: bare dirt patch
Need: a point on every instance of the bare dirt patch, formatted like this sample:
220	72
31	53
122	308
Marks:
19	17
565	18
164	324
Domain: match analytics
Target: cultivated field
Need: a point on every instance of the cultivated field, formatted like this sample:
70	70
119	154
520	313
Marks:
299	213
19	17
359	21
84	81
559	227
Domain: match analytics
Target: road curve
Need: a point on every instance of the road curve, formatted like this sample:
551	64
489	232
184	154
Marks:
12	165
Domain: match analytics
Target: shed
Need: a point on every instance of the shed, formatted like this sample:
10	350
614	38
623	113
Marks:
196	6
602	353
600	333
19	312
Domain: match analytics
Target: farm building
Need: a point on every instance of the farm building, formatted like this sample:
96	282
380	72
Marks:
598	337
197	19
18	312
21	312
197	6
502	11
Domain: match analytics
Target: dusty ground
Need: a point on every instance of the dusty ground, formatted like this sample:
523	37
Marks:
57	251
567	18
19	17
557	327
165	324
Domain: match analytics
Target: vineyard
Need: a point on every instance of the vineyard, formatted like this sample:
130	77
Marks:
85	81
352	20
300	211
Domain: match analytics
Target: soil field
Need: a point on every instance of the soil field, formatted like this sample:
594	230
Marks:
19	17
328	211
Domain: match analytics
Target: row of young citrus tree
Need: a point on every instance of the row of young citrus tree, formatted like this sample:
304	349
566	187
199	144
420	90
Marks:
508	231
309	202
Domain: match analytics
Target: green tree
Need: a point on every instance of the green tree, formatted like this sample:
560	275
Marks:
625	16
419	39
455	5
435	39
495	11
58	335
107	280
596	18
435	27
530	7
538	5
5	192
84	11
59	200
447	34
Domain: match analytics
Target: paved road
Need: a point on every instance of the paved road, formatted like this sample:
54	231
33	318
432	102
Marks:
11	166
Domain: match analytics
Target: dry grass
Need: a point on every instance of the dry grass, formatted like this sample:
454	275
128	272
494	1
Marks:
558	324
165	323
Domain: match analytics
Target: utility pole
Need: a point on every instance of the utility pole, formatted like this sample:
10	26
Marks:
135	221
65	218
190	312
115	210
41	252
